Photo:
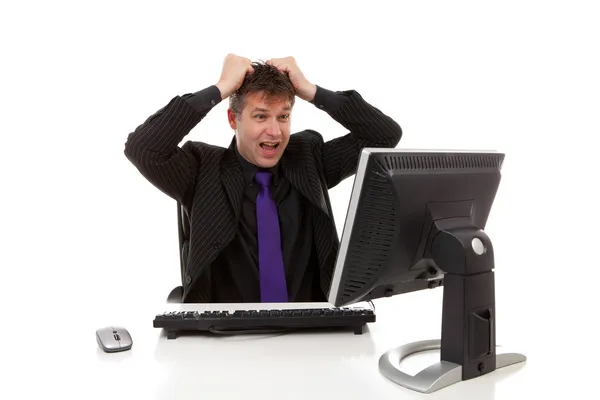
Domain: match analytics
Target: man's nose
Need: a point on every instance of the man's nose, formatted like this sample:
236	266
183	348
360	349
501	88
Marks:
274	129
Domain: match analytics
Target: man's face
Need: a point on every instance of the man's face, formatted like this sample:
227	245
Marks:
263	129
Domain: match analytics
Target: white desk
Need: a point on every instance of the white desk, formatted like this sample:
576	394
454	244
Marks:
290	366
65	361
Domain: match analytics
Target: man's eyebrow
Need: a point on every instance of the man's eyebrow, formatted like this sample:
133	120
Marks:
267	110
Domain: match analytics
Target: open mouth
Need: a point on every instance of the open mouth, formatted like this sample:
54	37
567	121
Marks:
269	147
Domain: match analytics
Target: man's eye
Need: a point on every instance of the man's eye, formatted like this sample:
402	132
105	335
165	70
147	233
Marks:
286	116
259	116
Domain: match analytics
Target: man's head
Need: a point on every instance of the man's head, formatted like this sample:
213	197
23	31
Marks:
260	113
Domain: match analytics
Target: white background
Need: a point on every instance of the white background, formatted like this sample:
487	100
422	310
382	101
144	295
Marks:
84	233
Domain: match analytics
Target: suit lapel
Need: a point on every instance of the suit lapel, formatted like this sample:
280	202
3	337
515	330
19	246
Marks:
233	179
303	175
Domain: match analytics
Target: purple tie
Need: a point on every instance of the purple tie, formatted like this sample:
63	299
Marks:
273	287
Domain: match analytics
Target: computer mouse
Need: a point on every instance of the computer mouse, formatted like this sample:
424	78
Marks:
113	338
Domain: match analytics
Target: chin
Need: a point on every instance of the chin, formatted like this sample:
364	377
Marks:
268	163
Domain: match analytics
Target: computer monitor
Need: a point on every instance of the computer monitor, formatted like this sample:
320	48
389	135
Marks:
416	221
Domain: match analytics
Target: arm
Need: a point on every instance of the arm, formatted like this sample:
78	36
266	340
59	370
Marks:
153	146
368	127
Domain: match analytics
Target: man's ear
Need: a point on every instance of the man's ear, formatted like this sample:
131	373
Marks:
231	118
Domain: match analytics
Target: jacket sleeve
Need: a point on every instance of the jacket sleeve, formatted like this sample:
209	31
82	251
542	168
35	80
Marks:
154	146
367	125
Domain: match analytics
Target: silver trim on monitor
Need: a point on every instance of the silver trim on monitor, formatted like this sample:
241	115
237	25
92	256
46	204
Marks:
437	375
350	215
352	207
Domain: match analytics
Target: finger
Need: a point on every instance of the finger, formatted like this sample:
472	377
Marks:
277	62
282	66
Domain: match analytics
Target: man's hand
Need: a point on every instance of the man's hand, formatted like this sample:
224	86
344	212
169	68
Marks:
304	89
233	73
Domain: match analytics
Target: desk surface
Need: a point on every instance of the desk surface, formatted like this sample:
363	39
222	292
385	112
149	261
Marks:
65	360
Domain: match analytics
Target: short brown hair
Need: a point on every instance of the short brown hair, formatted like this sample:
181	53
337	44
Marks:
267	79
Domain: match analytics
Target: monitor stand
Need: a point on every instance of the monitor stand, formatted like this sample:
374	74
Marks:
468	343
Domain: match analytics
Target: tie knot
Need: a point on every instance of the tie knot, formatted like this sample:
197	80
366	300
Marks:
263	178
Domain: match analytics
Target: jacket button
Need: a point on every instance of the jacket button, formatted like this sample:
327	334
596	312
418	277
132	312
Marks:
188	279
216	244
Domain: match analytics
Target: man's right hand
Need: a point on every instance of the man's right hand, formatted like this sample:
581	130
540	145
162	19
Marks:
234	71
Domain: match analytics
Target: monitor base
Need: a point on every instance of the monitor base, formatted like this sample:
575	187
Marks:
436	376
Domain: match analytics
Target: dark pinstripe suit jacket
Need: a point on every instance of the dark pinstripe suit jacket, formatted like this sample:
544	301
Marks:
208	181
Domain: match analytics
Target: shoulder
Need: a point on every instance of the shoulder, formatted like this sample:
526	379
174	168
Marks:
205	154
203	148
304	146
305	139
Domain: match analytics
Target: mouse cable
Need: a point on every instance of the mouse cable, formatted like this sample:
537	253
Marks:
372	305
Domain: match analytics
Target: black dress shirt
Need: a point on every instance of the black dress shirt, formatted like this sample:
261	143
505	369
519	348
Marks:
295	220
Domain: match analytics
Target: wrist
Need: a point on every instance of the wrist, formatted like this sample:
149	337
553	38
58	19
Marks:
224	89
307	92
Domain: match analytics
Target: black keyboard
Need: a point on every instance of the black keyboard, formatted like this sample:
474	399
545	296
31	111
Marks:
257	321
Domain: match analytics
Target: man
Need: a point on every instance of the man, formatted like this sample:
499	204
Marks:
261	224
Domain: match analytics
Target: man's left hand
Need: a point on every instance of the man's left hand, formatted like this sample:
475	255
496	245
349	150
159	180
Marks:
304	88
